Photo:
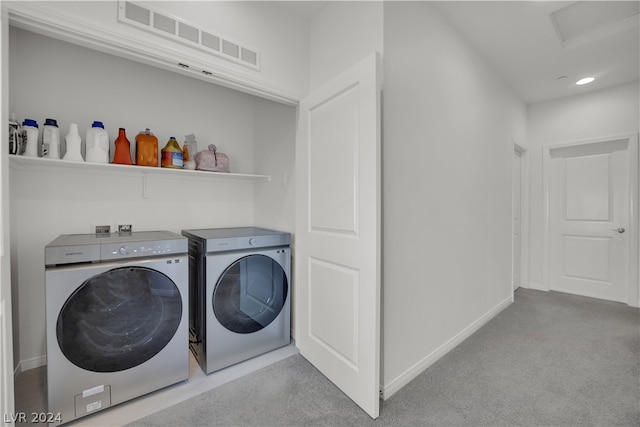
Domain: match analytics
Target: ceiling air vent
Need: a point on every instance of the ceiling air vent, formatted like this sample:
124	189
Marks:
164	23
230	48
210	41
187	33
138	14
249	56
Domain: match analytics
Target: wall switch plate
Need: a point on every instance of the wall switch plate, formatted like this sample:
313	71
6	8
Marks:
103	229
125	228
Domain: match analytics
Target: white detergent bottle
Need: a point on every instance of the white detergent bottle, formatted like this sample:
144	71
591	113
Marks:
15	136
30	133
74	144
51	139
97	144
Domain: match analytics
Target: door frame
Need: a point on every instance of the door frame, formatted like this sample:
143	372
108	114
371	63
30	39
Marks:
7	368
524	215
633	292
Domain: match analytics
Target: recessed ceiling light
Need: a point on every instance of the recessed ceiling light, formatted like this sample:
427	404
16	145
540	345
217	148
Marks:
585	81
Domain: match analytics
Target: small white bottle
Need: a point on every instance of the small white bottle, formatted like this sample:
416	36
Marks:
30	133
189	151
97	144
74	144
51	139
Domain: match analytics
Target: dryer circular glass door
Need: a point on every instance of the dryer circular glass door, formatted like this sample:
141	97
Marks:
119	319
250	294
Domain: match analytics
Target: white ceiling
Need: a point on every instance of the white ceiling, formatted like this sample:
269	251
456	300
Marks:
304	8
520	40
522	43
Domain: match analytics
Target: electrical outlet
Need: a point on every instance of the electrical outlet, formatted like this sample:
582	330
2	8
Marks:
125	228
102	229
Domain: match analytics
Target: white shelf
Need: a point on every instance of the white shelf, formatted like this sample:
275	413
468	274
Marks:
39	163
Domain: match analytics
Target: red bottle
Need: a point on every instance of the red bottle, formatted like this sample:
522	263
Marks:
122	155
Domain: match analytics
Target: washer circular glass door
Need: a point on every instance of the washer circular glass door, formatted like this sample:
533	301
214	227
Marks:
119	319
250	294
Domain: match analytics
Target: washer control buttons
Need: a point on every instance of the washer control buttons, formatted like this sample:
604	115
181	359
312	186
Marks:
125	250
253	241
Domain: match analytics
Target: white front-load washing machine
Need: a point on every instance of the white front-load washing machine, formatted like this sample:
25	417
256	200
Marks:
117	324
239	294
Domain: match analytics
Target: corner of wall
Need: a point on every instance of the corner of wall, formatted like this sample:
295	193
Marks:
406	377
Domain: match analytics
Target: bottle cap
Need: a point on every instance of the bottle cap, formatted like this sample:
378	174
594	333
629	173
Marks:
29	122
51	122
97	124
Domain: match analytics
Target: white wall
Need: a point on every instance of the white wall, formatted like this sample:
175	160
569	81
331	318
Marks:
448	127
51	78
277	34
600	114
274	153
449	123
341	34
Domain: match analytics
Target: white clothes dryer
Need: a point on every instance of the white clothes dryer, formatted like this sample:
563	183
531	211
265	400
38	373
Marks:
239	294
117	324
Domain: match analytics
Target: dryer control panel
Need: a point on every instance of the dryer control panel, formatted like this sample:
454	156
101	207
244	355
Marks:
238	238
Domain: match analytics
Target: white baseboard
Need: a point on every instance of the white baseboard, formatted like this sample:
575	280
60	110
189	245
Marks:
25	365
395	385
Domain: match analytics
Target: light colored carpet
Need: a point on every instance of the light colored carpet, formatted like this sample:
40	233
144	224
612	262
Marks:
550	359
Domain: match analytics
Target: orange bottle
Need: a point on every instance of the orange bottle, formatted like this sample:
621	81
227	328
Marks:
172	155
186	156
146	149
122	153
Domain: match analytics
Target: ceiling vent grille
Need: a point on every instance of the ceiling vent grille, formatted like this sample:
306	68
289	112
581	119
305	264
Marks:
187	33
164	23
138	14
584	22
210	41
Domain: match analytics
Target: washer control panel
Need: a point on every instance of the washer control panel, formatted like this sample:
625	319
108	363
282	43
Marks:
138	249
82	248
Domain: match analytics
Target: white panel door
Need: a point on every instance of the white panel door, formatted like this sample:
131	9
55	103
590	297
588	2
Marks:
337	242
517	219
589	220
